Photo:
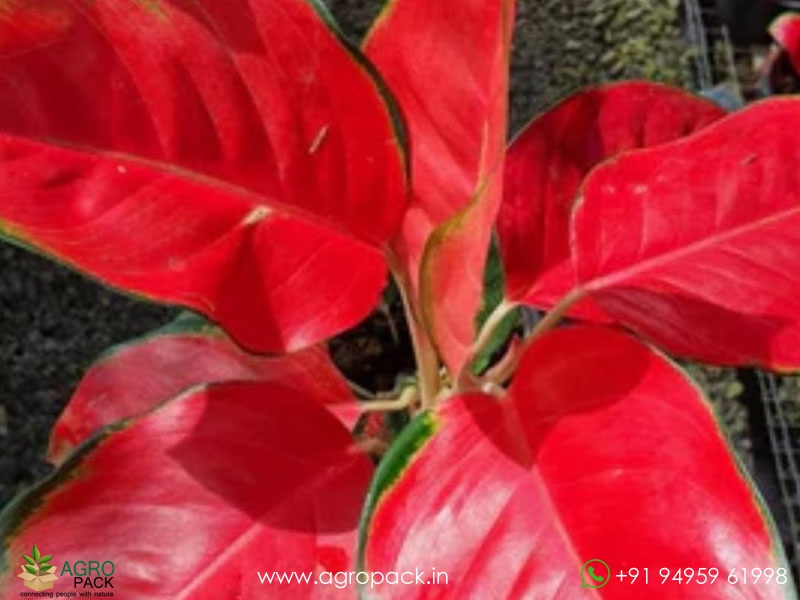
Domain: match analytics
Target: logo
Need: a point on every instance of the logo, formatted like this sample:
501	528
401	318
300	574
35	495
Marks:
37	572
595	574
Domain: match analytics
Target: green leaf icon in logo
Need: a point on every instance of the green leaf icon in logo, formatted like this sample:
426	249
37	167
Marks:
37	564
37	572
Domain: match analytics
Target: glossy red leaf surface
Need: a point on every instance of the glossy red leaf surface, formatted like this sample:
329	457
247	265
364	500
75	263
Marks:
194	499
447	64
29	23
135	377
550	158
785	30
695	244
602	449
229	157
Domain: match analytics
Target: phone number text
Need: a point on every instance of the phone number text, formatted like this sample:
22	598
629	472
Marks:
705	576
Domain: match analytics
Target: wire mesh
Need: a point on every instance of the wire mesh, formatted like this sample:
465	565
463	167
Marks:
784	438
697	38
714	58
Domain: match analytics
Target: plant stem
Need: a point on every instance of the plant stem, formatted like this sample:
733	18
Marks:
505	367
424	352
503	371
427	363
487	331
408	398
552	318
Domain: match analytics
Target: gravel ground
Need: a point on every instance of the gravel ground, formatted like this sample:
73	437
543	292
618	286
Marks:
53	323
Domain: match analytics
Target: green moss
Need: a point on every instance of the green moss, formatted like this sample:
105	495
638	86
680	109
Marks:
726	393
562	46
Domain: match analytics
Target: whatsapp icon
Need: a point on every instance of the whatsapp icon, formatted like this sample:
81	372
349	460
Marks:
595	573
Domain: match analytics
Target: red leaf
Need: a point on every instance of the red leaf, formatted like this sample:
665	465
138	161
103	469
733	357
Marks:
196	498
30	23
447	63
695	244
550	158
137	376
223	156
785	30
452	277
602	449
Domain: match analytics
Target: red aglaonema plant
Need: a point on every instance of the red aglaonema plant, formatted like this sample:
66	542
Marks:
242	160
785	32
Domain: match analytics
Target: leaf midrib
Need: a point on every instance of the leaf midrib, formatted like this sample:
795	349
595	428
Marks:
187	174
620	275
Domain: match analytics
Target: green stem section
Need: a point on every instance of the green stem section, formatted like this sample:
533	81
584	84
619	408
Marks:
487	331
553	318
424	352
509	363
427	363
406	399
